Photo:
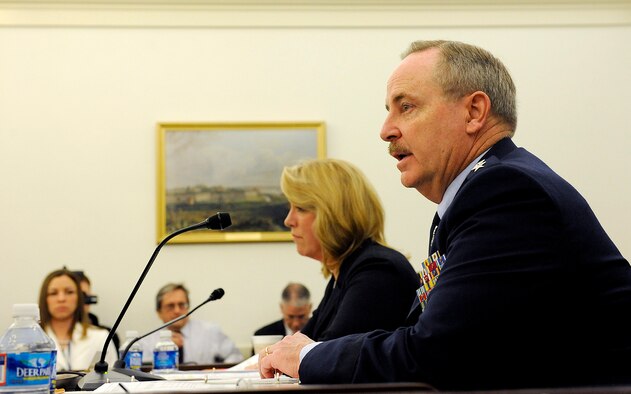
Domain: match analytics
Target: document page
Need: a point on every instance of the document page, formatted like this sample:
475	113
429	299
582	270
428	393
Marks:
251	364
196	381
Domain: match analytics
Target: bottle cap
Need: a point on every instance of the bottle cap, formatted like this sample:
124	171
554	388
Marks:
131	334
26	310
165	334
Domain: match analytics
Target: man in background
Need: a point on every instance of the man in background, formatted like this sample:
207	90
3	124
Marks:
199	342
295	306
91	299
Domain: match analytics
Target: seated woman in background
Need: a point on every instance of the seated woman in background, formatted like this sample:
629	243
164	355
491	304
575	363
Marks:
336	218
65	321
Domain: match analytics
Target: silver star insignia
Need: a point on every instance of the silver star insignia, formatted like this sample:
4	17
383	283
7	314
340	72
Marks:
479	165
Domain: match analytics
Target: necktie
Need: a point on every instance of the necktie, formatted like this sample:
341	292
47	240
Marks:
415	311
432	234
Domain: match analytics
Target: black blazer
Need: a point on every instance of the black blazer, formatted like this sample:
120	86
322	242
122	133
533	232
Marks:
276	328
533	293
375	289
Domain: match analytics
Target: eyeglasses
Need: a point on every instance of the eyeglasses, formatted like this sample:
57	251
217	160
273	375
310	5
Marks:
179	305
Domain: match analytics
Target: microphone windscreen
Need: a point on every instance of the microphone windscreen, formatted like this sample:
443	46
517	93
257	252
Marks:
217	294
219	221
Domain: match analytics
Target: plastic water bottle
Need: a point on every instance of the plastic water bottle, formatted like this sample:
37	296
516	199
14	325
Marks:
27	354
166	354
133	358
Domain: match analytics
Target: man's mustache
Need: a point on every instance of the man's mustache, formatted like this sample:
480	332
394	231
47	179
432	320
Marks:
395	148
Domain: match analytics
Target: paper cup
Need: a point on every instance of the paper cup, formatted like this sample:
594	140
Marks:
259	342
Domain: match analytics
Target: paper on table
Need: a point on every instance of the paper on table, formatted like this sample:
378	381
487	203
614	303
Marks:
243	365
159	386
199	381
211	375
172	386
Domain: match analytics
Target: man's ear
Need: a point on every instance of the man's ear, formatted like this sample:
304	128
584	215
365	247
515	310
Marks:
478	108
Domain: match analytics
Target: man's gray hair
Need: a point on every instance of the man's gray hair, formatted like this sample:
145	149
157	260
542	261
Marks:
464	69
169	287
296	294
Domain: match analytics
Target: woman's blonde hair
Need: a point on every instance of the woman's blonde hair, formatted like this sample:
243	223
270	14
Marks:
346	206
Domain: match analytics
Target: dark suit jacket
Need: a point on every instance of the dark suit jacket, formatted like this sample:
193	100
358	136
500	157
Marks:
533	293
276	328
374	289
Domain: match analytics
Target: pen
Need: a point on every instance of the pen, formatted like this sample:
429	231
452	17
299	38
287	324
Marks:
123	387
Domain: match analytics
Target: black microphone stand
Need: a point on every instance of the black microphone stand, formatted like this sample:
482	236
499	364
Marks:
119	365
100	375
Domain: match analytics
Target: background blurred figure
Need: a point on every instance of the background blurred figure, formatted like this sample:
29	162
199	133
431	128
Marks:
64	319
200	342
295	306
89	299
336	218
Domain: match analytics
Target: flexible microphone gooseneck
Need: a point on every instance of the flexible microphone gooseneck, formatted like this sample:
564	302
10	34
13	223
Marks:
120	363
93	380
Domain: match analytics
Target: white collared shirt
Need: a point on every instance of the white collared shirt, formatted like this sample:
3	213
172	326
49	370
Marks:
204	343
79	353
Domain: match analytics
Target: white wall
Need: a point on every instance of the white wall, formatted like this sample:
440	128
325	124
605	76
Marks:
81	94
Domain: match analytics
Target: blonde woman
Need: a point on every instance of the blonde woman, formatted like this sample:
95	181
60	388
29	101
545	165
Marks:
65	321
335	217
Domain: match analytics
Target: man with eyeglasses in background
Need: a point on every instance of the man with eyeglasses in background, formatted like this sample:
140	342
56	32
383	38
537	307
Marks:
200	342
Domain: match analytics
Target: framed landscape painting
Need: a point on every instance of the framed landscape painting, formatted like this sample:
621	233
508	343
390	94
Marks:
204	168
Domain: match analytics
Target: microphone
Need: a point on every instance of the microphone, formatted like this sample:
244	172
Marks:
120	363
93	380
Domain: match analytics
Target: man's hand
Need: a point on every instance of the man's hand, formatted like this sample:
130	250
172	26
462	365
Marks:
178	338
283	356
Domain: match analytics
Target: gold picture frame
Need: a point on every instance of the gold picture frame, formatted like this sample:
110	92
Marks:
204	168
